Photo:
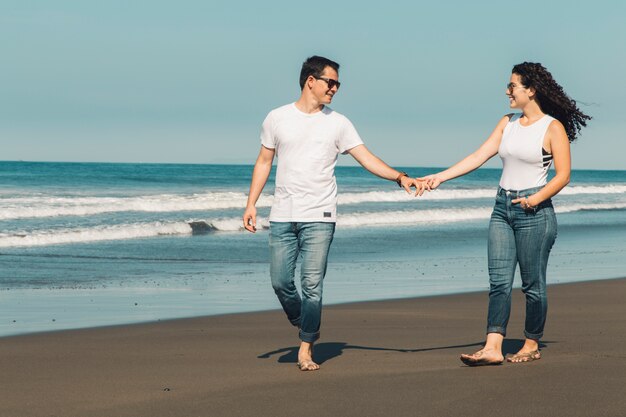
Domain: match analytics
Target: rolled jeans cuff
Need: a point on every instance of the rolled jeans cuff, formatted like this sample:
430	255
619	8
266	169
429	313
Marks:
534	336
496	329
309	337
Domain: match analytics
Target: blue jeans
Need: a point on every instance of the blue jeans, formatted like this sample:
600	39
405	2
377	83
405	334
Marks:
525	237
312	241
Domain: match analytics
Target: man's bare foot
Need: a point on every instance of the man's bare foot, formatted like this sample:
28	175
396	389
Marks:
307	366
305	358
483	357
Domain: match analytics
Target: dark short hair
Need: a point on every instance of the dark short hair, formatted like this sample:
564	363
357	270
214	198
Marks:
314	66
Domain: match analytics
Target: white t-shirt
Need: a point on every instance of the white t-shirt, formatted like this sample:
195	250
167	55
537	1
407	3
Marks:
307	146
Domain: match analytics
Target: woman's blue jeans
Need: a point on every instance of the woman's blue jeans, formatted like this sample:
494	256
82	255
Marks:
525	237
312	241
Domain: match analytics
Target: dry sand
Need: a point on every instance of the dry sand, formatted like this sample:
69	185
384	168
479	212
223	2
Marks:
388	358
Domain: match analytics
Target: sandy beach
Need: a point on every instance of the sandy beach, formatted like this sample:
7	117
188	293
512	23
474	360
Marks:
395	357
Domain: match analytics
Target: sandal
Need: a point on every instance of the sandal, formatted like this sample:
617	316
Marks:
476	359
524	357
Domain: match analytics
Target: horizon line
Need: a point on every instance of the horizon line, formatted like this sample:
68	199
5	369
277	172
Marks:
247	164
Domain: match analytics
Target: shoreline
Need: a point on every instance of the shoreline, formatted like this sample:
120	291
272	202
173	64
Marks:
379	357
276	308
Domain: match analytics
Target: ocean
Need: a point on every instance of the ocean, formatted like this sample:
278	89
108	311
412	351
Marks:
89	244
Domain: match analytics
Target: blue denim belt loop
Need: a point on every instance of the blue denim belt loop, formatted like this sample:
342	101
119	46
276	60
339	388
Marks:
514	194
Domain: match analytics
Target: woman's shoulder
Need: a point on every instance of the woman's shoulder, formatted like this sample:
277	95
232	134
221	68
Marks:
555	127
507	119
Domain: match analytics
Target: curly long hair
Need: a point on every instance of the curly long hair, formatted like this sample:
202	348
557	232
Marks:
551	98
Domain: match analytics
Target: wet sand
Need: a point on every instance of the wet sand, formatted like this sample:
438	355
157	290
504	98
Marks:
392	358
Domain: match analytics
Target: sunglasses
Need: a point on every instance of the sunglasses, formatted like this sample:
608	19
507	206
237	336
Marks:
511	86
331	83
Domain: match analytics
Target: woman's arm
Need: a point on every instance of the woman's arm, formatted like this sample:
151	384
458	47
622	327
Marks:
476	159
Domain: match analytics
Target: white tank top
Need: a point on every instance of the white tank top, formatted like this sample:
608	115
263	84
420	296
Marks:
524	164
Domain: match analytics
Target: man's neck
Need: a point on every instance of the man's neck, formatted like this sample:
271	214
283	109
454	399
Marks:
307	104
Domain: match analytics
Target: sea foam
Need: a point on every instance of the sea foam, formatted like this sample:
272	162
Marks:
234	224
52	206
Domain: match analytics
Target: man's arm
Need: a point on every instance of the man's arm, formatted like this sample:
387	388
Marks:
376	166
261	172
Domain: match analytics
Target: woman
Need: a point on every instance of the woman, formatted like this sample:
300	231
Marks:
523	225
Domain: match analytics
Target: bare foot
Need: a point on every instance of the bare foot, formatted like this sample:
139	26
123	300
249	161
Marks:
305	358
306	365
483	357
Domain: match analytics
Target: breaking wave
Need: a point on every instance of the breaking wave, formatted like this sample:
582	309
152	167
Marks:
50	206
234	224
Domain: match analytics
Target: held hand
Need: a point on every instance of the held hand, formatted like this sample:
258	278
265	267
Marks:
420	186
433	181
249	219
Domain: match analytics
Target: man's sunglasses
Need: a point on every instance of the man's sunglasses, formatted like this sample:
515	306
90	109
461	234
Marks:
331	83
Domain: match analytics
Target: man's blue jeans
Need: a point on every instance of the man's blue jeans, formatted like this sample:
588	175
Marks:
525	237
312	241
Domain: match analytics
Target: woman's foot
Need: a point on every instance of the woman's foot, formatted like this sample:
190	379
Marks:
524	357
305	358
528	353
482	358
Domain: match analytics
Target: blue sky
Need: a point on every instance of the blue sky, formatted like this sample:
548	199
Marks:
191	81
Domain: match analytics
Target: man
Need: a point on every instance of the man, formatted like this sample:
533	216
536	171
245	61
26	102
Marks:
306	137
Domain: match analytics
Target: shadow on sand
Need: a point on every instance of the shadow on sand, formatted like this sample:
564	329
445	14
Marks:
329	350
